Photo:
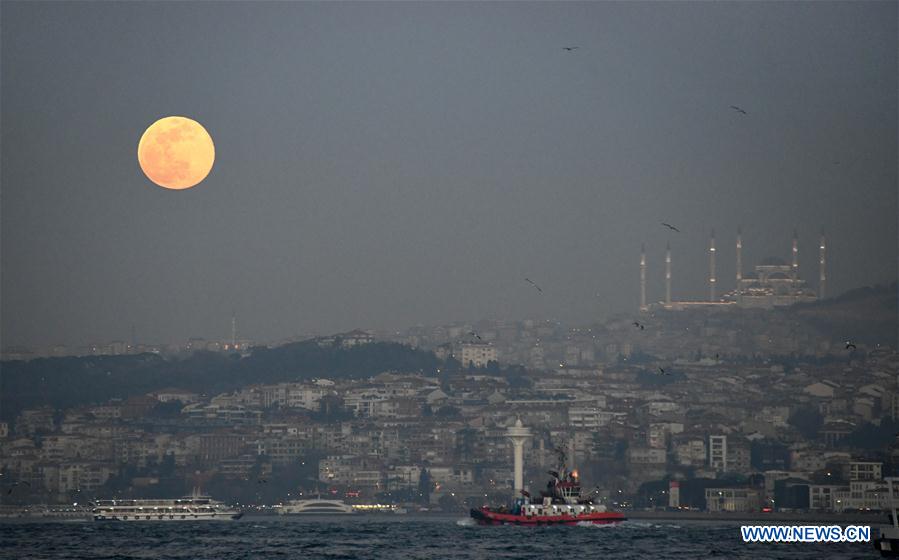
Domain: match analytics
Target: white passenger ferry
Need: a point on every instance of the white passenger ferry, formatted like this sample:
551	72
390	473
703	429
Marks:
189	508
316	507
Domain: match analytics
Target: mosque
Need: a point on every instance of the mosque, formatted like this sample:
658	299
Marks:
772	283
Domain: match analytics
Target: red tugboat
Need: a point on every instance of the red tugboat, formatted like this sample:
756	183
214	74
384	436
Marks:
560	504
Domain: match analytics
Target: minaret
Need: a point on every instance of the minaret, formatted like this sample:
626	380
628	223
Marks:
518	434
712	278
794	268
739	265
668	274
643	278
822	270
233	330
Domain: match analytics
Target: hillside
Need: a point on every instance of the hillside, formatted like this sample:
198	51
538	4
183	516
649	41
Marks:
868	315
74	381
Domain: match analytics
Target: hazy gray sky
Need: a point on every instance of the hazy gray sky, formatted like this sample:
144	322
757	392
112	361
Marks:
386	164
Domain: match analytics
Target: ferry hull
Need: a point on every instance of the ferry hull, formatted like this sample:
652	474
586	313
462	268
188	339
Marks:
166	517
189	508
486	517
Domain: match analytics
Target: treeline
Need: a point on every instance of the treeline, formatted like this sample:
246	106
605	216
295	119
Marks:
74	381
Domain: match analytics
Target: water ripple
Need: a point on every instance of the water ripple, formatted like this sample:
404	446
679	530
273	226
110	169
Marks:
418	538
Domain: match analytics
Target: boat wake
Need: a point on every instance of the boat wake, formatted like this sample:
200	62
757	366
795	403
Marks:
466	522
629	525
597	525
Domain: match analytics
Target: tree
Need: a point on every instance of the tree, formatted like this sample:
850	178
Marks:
170	409
452	365
167	467
448	503
448	411
465	444
807	419
517	378
424	487
331	410
869	436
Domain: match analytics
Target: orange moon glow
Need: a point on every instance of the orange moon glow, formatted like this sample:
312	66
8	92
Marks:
176	153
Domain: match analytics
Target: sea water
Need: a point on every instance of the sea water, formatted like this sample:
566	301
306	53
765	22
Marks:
396	537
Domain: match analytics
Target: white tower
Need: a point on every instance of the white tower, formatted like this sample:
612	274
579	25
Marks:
712	277
643	278
233	330
518	434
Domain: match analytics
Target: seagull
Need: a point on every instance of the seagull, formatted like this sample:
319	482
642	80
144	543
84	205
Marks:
662	371
261	481
850	345
636	324
739	110
476	335
569	49
669	226
531	282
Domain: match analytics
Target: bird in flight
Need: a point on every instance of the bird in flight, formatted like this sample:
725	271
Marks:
671	227
474	334
569	49
850	345
638	325
739	110
531	282
662	371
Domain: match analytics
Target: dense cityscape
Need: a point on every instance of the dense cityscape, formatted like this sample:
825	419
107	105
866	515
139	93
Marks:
674	407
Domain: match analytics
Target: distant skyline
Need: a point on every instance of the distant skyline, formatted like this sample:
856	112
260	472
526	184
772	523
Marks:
381	165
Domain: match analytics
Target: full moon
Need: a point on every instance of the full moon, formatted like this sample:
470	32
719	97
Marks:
176	153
